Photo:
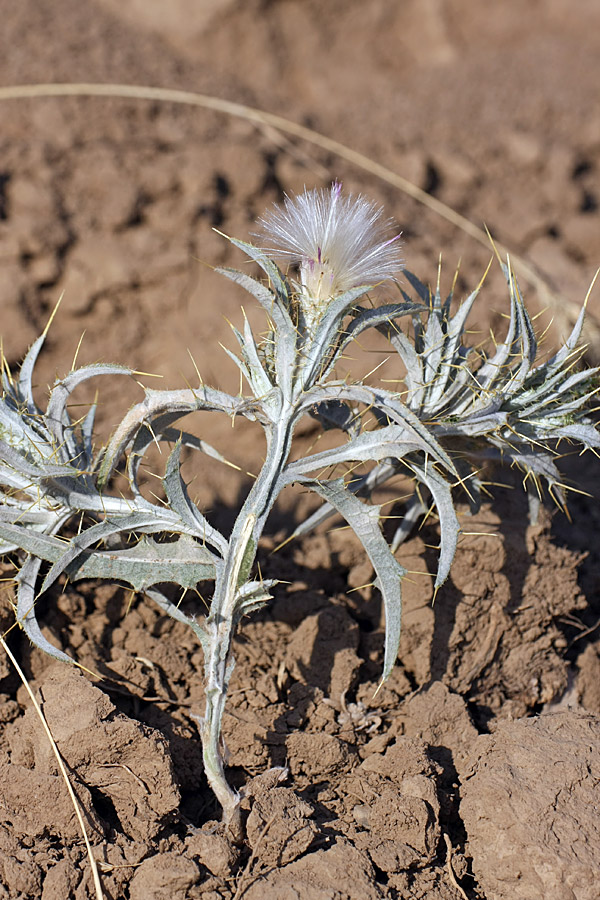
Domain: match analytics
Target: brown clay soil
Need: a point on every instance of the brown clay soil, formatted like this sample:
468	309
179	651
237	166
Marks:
474	772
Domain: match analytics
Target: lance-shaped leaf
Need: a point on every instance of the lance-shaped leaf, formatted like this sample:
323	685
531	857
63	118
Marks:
392	441
253	595
364	485
180	502
423	290
57	417
584	432
539	464
148	521
284	331
12	479
441	492
158	403
17	513
24	387
318	348
278	281
267	298
365	522
176	613
413	363
569	348
258	378
381	318
415	508
387	443
528	342
19	462
551	393
433	351
183	561
391	407
26	597
240	365
451	372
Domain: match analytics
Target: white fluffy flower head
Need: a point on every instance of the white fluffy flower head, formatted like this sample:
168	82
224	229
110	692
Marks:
339	242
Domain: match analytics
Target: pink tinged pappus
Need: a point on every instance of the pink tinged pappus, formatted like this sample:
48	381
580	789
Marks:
339	242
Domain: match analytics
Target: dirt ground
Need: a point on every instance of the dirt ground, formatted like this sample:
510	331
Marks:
473	773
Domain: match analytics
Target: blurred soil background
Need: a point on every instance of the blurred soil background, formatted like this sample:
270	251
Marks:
468	775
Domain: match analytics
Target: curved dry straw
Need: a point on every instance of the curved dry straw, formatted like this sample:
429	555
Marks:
561	308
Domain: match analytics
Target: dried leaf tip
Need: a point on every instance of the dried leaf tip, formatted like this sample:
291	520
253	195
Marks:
339	242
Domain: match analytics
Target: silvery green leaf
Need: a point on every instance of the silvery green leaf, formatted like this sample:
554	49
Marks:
449	525
433	349
253	354
19	462
21	432
568	349
277	308
381	443
175	404
57	418
563	413
415	508
550	391
183	561
364	485
449	367
149	522
25	515
176	613
87	434
180	502
272	271
259	380
13	479
495	372
24	384
26	599
23	520
477	425
382	318
528	344
31	541
414	378
365	522
584	433
253	595
43	471
541	465
319	356
238	362
391	406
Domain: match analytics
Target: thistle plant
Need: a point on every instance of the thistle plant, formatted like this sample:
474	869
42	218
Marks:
453	408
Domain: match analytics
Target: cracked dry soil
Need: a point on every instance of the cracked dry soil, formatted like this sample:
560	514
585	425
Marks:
474	770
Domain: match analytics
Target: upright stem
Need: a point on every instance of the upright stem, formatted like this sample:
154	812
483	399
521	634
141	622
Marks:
223	617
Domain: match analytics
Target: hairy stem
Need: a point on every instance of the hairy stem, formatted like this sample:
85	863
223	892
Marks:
225	614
